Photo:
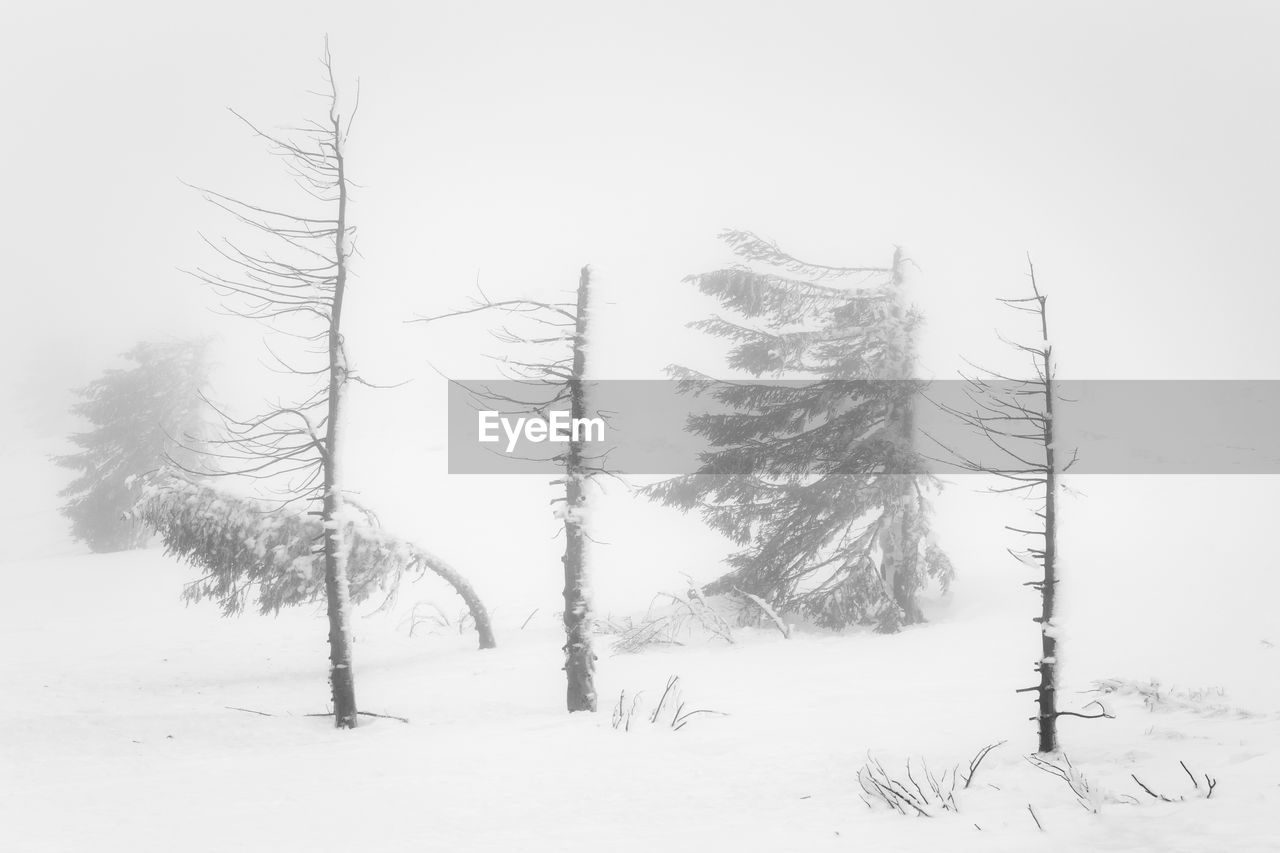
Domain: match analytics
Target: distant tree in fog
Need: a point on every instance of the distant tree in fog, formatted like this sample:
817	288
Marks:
816	478
140	415
550	382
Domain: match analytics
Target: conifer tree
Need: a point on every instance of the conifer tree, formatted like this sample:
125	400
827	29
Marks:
817	476
140	415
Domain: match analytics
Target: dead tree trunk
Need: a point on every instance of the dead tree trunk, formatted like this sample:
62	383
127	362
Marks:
579	659
337	588
1047	694
1017	417
547	382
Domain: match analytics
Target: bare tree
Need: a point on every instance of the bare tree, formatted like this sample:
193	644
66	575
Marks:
299	285
544	383
1017	417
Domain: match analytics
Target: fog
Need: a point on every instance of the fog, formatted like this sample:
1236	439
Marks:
1129	149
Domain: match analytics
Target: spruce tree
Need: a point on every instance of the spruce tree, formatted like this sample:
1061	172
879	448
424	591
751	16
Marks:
813	471
140	415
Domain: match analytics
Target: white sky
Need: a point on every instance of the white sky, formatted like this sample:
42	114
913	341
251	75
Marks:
1131	147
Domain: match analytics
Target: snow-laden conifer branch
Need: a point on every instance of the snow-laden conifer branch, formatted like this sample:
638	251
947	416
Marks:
249	552
753	248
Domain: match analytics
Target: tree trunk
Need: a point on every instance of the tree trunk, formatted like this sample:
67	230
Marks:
479	614
338	596
906	580
579	659
1047	693
900	561
337	588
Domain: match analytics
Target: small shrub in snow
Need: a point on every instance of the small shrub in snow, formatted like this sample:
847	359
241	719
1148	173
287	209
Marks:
1089	796
917	792
428	616
1206	790
671	711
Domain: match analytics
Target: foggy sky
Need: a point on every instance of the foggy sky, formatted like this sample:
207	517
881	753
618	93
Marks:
1130	147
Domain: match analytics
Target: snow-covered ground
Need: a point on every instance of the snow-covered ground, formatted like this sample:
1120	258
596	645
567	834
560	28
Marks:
121	735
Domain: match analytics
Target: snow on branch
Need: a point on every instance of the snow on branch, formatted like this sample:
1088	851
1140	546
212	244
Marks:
276	555
755	248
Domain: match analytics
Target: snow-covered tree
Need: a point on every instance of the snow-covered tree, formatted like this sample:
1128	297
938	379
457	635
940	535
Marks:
249	550
814	471
548	381
140	415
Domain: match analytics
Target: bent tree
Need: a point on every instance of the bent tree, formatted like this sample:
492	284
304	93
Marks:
248	549
812	467
298	285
